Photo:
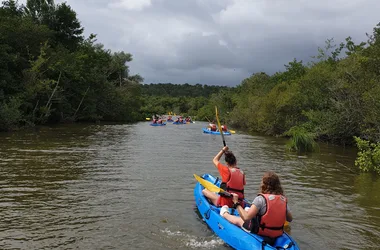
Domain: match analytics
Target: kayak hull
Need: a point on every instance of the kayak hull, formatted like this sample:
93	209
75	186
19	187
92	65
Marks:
231	234
157	124
179	123
205	130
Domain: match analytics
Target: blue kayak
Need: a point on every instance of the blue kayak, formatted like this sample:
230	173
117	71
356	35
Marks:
179	123
157	124
205	130
231	234
170	120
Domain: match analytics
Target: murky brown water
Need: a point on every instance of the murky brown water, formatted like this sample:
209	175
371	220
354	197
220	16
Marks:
131	187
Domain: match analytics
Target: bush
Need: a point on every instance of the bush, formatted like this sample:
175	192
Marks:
368	159
9	114
301	140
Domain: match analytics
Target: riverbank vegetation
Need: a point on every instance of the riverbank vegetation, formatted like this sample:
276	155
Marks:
50	72
333	98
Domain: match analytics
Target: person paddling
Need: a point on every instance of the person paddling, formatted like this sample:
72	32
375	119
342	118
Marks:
212	126
268	212
224	128
233	179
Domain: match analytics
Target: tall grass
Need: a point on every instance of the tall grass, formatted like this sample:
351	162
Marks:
301	140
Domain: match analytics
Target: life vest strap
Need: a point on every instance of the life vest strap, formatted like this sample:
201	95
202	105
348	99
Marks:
262	226
236	190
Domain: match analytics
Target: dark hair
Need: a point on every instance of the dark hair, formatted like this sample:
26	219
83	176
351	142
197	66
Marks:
271	184
230	158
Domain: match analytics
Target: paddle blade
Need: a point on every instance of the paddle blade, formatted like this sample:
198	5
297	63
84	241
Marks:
208	185
232	131
148	119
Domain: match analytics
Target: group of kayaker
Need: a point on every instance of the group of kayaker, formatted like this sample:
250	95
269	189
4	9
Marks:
181	120
212	127
269	210
157	120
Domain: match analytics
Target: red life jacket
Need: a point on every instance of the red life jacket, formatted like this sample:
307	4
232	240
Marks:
272	222
236	182
213	127
224	128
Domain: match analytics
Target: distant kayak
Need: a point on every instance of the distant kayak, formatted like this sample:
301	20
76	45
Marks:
157	124
231	234
205	130
179	123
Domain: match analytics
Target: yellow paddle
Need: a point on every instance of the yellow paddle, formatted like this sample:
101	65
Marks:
209	186
148	119
232	131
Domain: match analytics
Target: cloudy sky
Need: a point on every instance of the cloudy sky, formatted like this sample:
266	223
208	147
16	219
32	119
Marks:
221	42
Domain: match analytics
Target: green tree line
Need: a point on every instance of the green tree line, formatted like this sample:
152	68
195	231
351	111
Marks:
179	90
336	97
49	72
181	99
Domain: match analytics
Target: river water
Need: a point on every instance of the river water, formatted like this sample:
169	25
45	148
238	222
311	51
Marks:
131	187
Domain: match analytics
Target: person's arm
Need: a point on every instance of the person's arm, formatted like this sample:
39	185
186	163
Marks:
217	157
289	216
245	215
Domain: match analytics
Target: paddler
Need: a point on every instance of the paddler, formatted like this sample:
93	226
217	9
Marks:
233	179
224	128
212	126
268	212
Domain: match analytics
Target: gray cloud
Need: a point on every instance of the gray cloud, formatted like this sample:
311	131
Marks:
221	41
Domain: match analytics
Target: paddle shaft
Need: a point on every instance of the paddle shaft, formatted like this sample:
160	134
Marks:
219	126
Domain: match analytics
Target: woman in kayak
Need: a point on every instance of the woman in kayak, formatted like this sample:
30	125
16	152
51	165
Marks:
268	212
212	126
233	179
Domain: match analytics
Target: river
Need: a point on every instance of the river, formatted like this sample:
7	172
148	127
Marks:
131	187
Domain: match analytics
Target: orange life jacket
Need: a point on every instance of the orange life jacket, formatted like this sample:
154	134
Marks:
272	222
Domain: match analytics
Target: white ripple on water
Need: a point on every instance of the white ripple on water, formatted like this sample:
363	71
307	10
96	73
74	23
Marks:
193	241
